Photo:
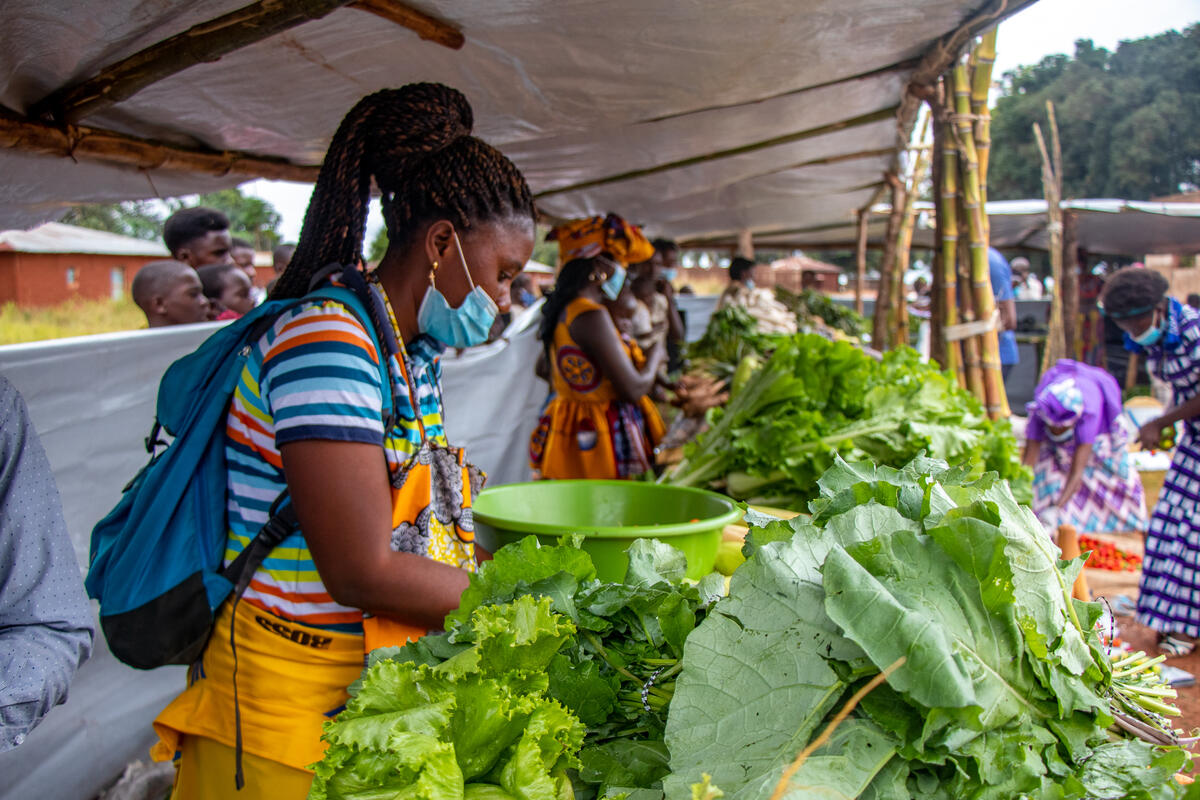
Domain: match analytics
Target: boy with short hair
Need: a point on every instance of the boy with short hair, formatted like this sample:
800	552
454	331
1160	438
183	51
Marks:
227	289
169	293
242	253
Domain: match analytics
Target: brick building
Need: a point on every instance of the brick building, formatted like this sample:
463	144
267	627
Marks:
54	262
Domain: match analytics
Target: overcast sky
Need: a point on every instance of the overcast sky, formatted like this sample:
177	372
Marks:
1046	27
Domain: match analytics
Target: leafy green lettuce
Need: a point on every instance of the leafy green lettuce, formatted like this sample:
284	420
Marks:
481	720
814	400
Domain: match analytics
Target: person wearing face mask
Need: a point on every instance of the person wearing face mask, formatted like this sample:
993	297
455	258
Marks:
385	541
599	422
1082	472
1167	334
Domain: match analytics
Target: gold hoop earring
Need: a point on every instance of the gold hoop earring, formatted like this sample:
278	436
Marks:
595	276
433	272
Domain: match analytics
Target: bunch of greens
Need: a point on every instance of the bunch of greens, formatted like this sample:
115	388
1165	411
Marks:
1004	690
809	306
479	725
731	336
814	399
617	649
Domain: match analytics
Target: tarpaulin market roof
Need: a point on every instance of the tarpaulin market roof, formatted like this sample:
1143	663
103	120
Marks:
697	118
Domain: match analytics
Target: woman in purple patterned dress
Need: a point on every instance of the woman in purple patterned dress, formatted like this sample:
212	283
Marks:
1082	473
1168	334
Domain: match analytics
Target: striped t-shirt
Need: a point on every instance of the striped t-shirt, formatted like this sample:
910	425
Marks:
314	375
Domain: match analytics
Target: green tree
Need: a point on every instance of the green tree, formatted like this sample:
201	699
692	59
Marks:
136	218
544	252
1129	120
249	217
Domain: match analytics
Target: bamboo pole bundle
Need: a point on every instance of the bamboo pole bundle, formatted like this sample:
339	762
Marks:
908	222
994	396
947	220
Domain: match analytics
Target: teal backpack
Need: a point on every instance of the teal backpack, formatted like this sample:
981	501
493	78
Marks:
156	559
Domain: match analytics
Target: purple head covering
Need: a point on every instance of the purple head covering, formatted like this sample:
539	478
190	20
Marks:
1059	403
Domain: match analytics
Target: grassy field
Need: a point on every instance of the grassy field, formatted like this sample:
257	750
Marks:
73	318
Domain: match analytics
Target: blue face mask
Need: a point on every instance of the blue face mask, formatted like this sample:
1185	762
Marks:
669	274
749	283
612	286
1149	337
465	326
527	298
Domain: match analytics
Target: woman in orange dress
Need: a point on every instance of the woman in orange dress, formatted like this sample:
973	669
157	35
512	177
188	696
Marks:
599	423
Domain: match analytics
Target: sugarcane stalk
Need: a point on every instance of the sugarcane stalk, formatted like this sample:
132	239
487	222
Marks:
908	222
972	361
981	83
860	259
994	396
947	213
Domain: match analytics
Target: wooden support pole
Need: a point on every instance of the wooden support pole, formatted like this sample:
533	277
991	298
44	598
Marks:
908	222
1060	329
860	259
209	41
94	144
204	42
884	323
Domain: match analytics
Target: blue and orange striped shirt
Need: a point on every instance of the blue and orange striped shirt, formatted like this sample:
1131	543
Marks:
315	375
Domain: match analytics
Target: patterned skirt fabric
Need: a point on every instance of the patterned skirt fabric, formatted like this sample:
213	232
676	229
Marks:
1109	499
1169	597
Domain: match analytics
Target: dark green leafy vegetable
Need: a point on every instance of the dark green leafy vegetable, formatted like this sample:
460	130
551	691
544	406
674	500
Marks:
1004	691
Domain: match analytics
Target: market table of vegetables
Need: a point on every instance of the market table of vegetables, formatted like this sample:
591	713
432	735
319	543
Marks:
912	636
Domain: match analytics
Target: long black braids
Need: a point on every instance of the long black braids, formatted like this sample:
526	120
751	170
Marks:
416	143
574	277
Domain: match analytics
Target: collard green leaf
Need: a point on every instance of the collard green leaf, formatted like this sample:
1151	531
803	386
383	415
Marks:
652	562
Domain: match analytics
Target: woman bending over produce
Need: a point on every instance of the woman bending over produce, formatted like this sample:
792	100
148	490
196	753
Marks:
599	422
1168	333
1082	473
385	537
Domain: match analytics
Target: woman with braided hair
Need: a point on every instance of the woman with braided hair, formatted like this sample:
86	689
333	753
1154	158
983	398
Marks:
344	414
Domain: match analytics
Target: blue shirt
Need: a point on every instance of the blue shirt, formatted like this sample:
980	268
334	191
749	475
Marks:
46	623
1001	274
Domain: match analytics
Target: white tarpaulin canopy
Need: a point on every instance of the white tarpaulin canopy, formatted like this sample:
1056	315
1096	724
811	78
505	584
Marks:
695	118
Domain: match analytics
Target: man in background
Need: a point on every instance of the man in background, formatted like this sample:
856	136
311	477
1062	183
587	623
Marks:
1002	290
169	293
1026	285
198	237
46	624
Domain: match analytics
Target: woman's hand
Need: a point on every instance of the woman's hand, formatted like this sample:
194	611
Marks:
1150	434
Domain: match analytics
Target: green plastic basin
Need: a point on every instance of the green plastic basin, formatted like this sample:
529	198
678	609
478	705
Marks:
610	515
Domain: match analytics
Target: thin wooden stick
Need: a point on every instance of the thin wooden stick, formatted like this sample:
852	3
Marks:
1056	339
860	259
908	222
94	144
785	780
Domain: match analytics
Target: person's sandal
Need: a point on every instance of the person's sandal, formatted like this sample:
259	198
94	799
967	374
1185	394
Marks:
1175	647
